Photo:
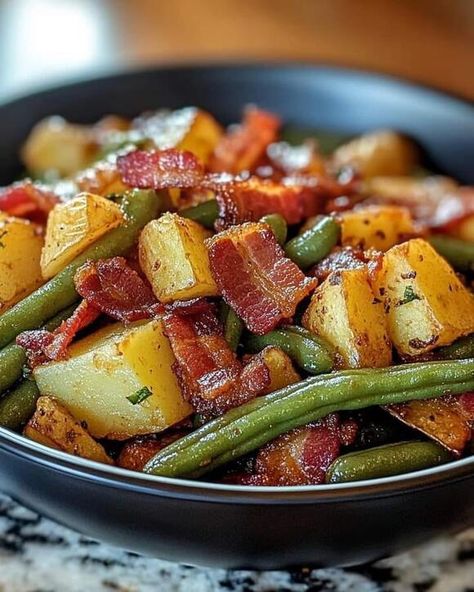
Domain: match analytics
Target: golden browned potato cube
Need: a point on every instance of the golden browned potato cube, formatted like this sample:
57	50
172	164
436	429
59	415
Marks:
203	136
464	229
56	145
344	311
20	250
426	303
120	380
378	153
175	260
54	426
280	366
378	227
185	129
73	226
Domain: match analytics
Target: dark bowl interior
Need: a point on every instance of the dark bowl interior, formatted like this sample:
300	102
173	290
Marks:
232	526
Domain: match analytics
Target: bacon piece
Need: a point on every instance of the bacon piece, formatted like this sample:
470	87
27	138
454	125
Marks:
254	276
82	317
192	307
42	346
448	420
243	146
28	200
115	289
138	451
340	259
210	375
296	159
299	457
160	169
248	201
453	209
34	344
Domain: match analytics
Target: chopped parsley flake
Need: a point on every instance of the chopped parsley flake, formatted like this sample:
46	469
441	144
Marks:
140	396
408	296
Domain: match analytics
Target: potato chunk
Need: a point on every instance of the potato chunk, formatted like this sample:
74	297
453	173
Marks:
280	367
185	129
175	260
54	426
426	303
378	227
54	144
73	226
378	153
20	251
344	311
119	380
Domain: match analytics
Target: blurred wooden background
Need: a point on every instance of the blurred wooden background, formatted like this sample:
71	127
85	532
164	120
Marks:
44	41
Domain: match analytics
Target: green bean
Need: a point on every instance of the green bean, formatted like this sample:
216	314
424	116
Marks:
255	423
383	461
285	426
459	253
205	213
233	326
30	313
459	350
316	243
307	350
17	406
278	225
327	141
13	357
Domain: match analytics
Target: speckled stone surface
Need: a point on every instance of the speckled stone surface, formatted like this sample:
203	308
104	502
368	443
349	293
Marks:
37	555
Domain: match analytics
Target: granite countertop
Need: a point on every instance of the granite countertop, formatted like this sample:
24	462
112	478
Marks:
37	555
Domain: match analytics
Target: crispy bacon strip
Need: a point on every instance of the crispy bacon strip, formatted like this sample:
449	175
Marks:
42	346
300	457
341	258
210	375
160	169
243	146
114	288
27	200
139	450
448	420
454	208
34	344
254	276
248	201
84	315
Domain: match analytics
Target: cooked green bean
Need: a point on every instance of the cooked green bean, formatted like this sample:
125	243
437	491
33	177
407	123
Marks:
259	421
30	313
307	350
459	253
459	350
205	213
13	357
278	224
17	406
233	326
383	461
316	243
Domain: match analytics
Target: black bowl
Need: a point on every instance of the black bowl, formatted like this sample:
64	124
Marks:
225	525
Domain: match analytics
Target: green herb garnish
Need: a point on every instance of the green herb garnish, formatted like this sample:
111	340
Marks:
408	296
140	396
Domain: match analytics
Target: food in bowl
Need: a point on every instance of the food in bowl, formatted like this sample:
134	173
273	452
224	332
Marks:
186	300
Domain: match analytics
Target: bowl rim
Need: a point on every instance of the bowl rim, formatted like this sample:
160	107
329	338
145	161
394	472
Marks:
102	74
120	478
117	477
